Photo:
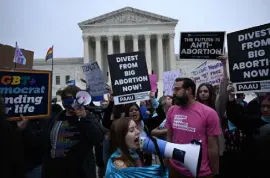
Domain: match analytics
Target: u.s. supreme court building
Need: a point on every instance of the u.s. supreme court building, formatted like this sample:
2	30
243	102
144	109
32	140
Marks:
124	30
128	30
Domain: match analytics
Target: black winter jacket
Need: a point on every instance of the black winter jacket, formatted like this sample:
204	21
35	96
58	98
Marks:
79	161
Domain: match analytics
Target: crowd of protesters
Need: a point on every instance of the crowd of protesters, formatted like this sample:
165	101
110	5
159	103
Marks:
90	142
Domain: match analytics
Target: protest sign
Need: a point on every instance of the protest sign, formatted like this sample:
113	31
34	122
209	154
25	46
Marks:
200	74
207	72
95	81
26	92
168	81
201	45
129	77
249	52
153	80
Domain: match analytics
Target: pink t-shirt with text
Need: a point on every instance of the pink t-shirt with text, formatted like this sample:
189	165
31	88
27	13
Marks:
195	122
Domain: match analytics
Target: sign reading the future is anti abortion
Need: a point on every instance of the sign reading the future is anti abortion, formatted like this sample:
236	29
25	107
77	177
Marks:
201	45
129	77
26	92
249	54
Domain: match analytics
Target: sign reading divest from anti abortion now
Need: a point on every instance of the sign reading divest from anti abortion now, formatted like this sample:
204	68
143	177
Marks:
207	72
129	77
26	92
96	84
201	45
249	53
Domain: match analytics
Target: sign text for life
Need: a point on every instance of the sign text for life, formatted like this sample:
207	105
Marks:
21	102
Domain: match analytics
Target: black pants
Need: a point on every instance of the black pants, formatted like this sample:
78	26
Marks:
99	160
99	155
231	165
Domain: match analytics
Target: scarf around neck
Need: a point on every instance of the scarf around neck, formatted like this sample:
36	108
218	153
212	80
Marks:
133	172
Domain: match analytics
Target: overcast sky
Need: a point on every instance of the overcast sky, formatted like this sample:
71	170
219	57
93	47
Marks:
38	24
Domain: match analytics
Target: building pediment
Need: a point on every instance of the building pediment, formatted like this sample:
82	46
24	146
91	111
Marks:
127	15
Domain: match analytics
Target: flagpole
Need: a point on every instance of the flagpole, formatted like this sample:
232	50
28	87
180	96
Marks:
15	64
52	61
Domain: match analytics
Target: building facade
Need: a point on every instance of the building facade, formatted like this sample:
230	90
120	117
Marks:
124	30
128	30
64	69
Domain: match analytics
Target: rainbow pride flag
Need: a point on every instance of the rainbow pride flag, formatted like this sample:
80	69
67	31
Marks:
49	54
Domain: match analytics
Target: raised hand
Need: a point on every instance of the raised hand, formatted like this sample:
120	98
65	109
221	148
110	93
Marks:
80	112
22	124
222	59
230	90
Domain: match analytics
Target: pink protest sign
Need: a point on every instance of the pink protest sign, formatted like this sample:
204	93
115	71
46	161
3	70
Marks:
153	81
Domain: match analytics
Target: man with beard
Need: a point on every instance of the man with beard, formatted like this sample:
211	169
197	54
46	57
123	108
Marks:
190	120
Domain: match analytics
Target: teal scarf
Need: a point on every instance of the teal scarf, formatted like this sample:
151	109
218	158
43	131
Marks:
154	171
266	119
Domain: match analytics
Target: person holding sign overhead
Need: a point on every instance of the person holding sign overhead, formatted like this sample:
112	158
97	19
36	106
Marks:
256	126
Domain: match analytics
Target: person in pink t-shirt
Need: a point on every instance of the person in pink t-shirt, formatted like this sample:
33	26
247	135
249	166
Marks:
190	120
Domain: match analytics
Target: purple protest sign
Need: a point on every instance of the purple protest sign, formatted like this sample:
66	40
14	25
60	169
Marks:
153	80
168	81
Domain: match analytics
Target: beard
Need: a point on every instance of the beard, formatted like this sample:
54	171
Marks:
180	100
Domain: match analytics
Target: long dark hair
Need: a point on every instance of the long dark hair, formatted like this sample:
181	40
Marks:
117	111
119	130
212	95
129	106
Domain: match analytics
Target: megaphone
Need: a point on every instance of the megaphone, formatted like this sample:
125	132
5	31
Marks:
188	154
82	98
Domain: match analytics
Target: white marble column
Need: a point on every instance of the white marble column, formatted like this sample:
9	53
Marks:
110	44
172	52
86	49
160	56
122	43
91	51
135	43
110	51
148	53
98	51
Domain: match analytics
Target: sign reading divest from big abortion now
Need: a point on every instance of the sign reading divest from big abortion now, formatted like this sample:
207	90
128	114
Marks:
201	45
26	92
129	77
249	53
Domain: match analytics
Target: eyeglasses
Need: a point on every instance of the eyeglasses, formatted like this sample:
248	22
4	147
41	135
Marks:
177	88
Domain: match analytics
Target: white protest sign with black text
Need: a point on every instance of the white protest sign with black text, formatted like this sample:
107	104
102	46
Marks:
249	53
129	77
168	81
210	72
201	45
96	84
